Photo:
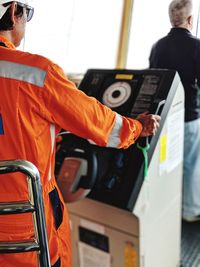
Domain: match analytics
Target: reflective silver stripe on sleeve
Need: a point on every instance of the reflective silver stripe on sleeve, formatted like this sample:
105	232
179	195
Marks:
22	72
53	136
114	139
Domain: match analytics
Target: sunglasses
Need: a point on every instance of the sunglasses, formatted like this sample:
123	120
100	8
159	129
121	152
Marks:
29	10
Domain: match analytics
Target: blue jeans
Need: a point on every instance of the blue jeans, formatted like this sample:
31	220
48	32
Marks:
191	169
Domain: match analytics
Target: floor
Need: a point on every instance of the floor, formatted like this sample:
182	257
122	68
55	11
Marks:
190	244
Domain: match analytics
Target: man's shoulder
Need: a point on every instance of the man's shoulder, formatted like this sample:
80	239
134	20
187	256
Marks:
32	60
195	39
160	41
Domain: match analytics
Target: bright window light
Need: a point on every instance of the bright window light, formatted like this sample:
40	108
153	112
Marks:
76	34
83	34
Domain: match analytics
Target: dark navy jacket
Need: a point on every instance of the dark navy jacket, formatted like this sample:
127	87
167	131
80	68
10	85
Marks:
180	51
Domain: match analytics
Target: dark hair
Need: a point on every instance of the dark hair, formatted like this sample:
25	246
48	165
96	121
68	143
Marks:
6	23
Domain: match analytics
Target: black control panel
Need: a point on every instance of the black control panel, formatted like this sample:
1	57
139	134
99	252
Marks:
129	92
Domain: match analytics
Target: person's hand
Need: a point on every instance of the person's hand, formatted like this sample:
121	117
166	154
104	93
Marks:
150	124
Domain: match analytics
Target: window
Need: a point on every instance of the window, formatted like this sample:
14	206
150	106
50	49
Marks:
82	34
76	34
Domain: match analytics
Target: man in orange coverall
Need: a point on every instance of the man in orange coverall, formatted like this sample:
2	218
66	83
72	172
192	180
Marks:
37	100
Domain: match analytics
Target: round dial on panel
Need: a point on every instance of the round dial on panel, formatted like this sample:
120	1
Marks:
116	94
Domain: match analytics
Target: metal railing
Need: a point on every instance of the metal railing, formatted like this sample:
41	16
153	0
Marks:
34	205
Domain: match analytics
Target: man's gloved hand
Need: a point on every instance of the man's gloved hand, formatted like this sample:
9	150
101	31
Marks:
150	123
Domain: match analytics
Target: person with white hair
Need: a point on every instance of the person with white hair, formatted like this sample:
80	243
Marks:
180	50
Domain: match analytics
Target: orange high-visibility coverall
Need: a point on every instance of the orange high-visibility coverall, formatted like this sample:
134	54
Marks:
36	102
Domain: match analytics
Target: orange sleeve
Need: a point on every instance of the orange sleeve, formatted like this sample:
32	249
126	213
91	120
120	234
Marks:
131	130
74	111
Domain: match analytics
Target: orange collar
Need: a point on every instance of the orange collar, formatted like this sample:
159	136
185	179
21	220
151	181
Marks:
7	43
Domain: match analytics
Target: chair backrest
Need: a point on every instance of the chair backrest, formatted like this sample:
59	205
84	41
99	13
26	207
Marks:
34	205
